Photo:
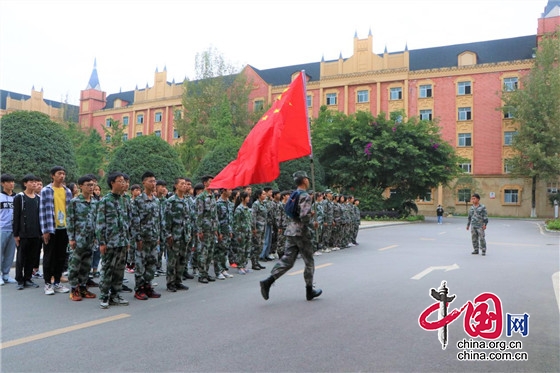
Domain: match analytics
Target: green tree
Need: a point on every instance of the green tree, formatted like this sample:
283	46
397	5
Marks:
214	107
144	153
362	151
286	181
32	143
114	136
215	160
536	108
88	147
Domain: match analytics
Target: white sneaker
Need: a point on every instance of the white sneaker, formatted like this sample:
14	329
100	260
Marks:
9	280
317	253
1	281
327	250
221	277
154	284
271	257
49	289
60	288
226	274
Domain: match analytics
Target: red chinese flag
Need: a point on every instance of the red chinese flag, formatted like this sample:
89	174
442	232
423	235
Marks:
282	134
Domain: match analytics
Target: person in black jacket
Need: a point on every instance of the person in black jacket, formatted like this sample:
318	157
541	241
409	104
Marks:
27	231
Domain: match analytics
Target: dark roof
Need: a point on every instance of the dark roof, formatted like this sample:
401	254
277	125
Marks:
127	96
18	96
493	51
551	4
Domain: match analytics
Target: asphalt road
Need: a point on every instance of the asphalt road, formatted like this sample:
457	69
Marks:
365	321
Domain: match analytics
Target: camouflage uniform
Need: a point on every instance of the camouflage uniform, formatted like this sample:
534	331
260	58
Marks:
146	228
346	224
162	247
337	228
317	234
192	256
357	221
259	224
298	241
242	226
478	216
225	220
80	227
177	225
206	223
113	229
327	222
282	223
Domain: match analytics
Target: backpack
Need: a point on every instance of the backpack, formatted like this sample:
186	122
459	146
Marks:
292	206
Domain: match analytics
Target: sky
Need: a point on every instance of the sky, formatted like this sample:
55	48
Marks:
52	44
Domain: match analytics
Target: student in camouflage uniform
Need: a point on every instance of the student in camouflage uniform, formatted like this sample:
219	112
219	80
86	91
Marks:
267	238
207	230
282	222
259	225
162	193
318	232
357	221
81	235
328	220
177	234
242	227
147	233
276	206
298	242
477	221
337	223
224	209
113	235
232	249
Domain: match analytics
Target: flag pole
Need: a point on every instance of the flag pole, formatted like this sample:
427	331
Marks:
308	130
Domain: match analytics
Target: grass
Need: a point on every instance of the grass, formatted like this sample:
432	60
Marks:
553	224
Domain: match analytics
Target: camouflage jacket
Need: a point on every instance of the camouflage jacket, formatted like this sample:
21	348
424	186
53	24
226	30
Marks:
146	219
225	216
300	226
478	216
113	221
319	212
242	220
177	219
328	211
80	224
206	213
270	205
282	218
357	216
337	213
259	215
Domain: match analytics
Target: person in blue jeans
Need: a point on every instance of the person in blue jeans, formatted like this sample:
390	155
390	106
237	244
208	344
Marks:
7	242
439	213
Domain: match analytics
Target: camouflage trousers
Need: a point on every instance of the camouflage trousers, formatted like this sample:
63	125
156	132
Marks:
205	253
146	260
176	261
79	264
336	236
233	250
257	242
161	251
221	252
326	235
478	239
294	246
355	230
346	235
131	255
243	244
281	244
316	238
112	271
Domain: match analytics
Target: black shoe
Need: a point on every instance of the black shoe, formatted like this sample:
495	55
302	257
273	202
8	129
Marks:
312	293
30	284
19	286
181	287
187	276
256	267
484	253
475	252
203	280
91	284
126	289
171	288
265	286
262	267
211	279
263	259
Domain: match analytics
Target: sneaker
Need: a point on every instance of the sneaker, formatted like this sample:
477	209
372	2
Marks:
233	265
96	274
37	275
203	280
151	293
60	288
126	289
221	277
226	274
317	253
271	257
65	274
140	295
1	281
49	289
241	271
187	276
326	251
91	284
475	252
30	284
9	280
117	300
171	288
181	287
161	271
19	286
63	279
130	270
104	303
85	293
153	284
75	294
156	274
211	279
125	280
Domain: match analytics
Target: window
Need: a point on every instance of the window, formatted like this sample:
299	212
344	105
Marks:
508	137
511	196
464	88
510	84
125	137
428	196
140	119
309	101
426	114
508	113
125	121
258	105
507	166
464	195
177	114
552	188
138	134
157	133
108	122
396	93
467	168
426	91
176	134
465	139
108	138
157	117
465	113
363	96
331	98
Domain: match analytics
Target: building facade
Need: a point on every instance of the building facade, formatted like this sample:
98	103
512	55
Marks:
460	86
58	111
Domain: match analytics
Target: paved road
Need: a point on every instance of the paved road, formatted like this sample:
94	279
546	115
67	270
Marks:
366	320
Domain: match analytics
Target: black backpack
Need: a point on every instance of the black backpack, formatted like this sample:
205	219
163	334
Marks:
292	206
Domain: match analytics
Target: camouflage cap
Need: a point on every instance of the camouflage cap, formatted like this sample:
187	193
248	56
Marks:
327	191
300	175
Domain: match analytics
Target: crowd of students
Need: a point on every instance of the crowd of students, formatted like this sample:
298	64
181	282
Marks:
132	228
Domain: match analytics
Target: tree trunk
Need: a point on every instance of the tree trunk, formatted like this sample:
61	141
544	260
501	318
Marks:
534	198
